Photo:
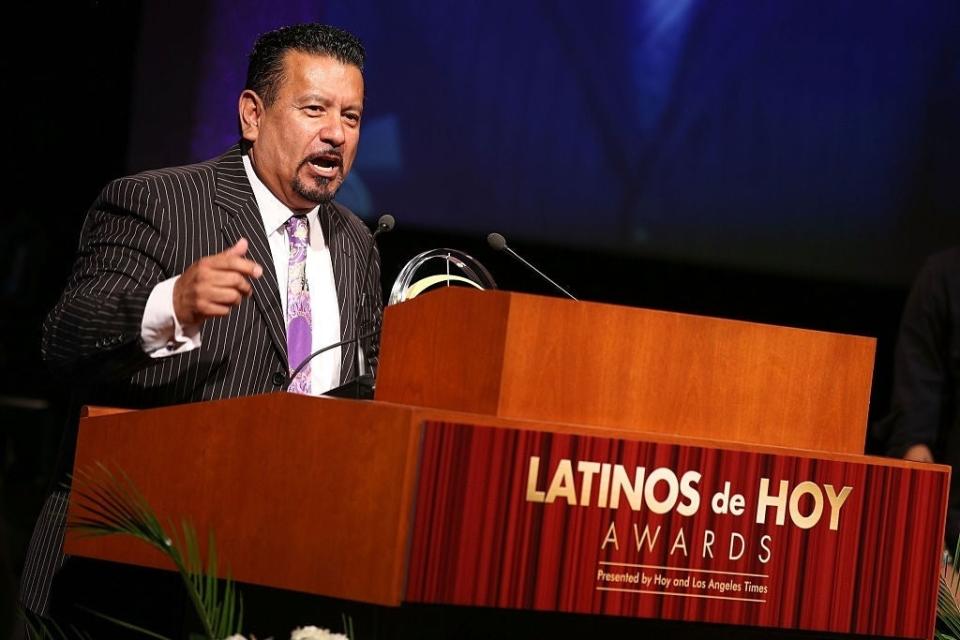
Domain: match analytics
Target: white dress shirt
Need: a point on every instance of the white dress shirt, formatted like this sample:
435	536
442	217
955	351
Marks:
163	335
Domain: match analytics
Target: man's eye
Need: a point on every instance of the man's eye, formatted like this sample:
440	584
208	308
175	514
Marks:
313	109
352	118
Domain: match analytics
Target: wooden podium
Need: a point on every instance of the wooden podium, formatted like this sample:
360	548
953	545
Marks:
529	453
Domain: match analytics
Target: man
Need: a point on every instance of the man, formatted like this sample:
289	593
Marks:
218	279
177	287
924	423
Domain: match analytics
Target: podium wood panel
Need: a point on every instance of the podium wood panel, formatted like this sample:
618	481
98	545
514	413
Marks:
304	494
537	358
381	503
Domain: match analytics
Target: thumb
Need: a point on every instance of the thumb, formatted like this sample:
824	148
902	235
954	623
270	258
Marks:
239	249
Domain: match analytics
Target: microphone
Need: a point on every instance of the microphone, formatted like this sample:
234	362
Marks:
498	243
386	223
362	384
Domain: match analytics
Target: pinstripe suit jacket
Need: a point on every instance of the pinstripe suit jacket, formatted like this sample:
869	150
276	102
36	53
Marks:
149	227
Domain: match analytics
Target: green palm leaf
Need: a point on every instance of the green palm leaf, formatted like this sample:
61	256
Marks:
110	504
948	598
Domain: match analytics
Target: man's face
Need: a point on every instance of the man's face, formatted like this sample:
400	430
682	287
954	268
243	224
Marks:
305	142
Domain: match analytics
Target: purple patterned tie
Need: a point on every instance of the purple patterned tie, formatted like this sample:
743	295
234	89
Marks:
298	302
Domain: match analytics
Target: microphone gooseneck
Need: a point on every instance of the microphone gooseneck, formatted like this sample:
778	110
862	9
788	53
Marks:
385	224
498	243
306	361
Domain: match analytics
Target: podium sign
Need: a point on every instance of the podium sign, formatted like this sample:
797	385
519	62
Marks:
773	538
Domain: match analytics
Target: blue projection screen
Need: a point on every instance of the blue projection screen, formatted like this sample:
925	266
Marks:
810	137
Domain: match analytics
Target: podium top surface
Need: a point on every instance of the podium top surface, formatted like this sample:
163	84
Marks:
522	356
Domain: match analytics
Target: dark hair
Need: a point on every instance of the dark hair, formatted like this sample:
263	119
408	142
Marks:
265	72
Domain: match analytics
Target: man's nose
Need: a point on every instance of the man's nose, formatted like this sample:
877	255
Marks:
332	133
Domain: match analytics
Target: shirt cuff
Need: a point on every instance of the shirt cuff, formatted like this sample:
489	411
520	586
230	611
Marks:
161	333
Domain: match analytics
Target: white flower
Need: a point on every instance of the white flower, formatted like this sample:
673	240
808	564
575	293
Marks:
235	636
313	633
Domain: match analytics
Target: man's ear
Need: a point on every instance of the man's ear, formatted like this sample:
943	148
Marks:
251	110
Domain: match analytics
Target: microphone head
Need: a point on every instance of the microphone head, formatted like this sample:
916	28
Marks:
496	241
386	222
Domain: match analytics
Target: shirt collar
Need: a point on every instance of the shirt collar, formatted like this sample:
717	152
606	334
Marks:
274	213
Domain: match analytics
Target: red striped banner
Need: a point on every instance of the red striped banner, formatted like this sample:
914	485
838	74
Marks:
558	522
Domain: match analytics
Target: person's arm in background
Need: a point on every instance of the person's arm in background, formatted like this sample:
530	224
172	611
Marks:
921	385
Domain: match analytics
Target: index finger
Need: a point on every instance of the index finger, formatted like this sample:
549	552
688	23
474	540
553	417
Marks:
238	264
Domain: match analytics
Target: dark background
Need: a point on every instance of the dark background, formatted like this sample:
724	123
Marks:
808	137
787	162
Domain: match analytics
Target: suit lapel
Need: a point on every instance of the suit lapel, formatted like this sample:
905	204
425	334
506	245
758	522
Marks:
234	194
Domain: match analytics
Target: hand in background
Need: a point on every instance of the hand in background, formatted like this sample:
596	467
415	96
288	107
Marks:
919	453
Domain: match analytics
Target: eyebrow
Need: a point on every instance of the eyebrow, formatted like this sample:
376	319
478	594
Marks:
314	97
326	99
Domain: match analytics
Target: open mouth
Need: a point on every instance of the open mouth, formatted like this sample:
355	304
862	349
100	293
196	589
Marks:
326	164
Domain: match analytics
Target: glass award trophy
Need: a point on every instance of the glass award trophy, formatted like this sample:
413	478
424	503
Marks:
439	268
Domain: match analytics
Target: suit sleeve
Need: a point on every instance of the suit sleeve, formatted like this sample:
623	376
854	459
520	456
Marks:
921	364
94	331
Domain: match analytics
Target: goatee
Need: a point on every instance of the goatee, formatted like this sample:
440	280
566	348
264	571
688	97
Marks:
320	191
